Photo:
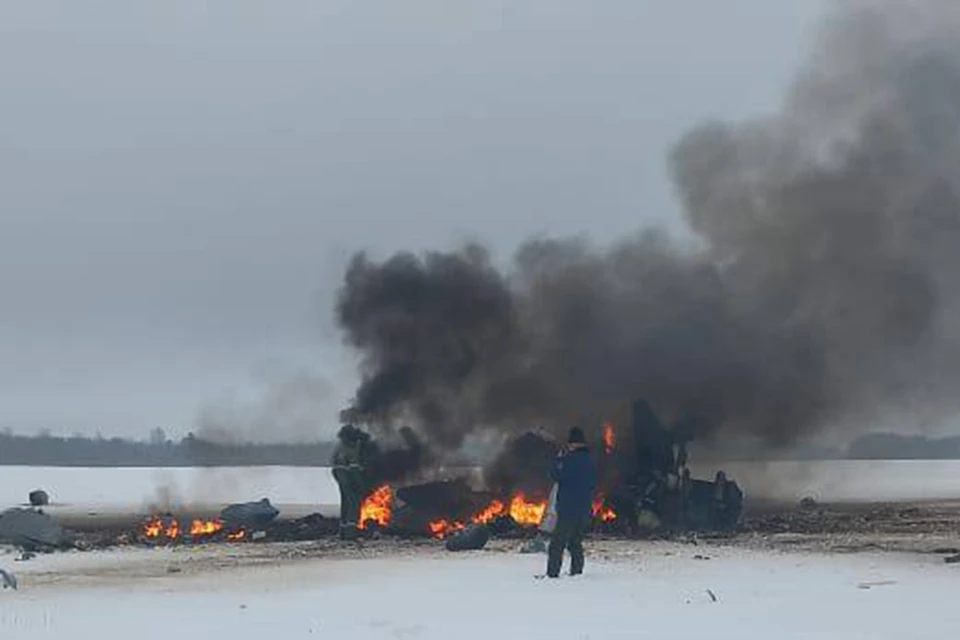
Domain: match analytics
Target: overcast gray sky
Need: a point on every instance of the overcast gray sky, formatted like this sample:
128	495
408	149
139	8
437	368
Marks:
182	180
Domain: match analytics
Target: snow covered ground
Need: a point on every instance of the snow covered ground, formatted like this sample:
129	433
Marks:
396	589
631	590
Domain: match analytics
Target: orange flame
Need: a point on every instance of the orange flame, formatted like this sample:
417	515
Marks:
153	528
377	508
489	513
609	438
601	511
524	512
201	528
168	529
442	528
158	528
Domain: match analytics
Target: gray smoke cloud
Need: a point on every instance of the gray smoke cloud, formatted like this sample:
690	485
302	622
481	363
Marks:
822	288
293	405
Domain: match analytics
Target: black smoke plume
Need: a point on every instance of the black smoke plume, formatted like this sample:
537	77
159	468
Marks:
823	291
523	465
401	460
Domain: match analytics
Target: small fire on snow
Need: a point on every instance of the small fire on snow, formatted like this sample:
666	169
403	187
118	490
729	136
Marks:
602	511
489	513
154	528
442	528
168	529
523	512
199	528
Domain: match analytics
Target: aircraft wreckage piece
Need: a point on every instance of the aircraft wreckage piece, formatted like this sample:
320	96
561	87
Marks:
249	514
8	579
31	529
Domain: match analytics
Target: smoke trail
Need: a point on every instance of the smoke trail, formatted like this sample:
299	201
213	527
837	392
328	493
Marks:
293	406
825	292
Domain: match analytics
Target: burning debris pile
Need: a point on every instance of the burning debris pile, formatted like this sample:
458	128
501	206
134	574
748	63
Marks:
168	529
236	523
645	486
441	509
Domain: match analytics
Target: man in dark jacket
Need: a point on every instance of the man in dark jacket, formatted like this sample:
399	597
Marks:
576	478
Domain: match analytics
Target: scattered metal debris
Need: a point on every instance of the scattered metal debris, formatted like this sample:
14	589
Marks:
472	538
878	583
249	514
31	530
9	580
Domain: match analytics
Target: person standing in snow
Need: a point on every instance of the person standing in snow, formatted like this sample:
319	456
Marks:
349	472
576	478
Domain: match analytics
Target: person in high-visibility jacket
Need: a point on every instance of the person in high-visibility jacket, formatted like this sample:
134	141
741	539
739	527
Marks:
349	470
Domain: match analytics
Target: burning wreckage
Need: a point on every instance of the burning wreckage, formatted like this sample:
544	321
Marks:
645	488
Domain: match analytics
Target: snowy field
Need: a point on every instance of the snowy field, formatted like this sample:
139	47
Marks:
395	589
640	590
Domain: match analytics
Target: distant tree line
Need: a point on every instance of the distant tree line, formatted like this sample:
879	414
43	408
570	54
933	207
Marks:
159	451
45	449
